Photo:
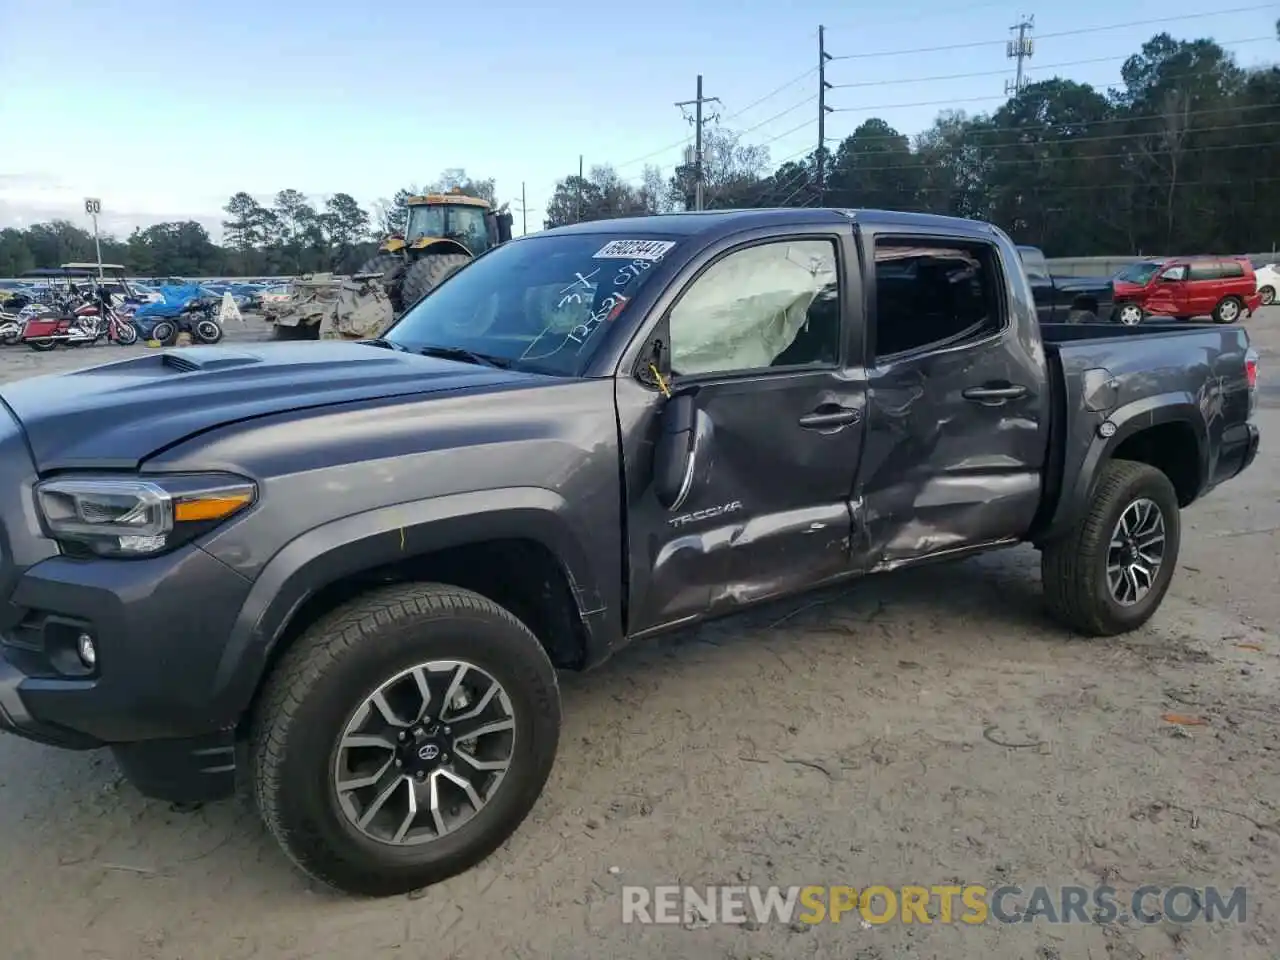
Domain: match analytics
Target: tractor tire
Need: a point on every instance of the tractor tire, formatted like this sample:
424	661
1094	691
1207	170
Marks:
426	273
381	263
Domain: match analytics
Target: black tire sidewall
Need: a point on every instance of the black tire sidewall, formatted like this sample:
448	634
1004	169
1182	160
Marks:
165	326
507	653
1217	311
1150	485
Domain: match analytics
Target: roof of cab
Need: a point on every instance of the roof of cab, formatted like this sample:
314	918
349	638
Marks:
709	223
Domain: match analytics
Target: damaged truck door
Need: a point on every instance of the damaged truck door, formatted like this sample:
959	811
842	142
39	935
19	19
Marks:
757	445
958	424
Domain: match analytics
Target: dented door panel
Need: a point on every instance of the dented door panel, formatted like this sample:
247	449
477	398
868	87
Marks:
942	469
768	513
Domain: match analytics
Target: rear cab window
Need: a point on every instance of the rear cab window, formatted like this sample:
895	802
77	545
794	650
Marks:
931	294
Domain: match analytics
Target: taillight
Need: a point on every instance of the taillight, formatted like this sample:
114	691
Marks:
1251	377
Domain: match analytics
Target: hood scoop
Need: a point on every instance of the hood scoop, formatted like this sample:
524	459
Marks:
206	358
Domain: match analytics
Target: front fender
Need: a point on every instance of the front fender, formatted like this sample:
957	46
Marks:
432	246
375	538
1177	407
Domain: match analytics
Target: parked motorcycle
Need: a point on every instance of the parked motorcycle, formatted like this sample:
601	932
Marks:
83	325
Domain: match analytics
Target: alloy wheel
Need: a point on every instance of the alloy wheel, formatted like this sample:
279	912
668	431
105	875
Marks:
1135	552
424	753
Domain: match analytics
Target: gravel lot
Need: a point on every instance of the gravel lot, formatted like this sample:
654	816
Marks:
845	738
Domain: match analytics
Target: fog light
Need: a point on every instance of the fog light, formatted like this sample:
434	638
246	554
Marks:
88	652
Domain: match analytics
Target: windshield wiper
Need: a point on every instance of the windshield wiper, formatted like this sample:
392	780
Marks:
466	356
382	342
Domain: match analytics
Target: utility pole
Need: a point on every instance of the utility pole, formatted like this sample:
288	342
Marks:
699	121
578	216
524	212
1022	48
823	110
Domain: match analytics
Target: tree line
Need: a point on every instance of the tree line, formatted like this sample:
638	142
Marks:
288	236
1182	156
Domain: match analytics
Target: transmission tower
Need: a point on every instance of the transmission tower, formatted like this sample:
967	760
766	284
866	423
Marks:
1020	48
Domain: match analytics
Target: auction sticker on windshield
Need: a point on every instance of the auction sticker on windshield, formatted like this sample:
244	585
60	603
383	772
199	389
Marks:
634	250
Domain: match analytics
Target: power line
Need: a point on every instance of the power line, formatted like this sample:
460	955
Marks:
1000	73
773	93
1061	33
777	116
916	165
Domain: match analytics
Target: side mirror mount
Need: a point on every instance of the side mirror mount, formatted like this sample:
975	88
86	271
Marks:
675	456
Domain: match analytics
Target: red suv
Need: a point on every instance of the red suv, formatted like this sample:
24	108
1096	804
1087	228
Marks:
1223	288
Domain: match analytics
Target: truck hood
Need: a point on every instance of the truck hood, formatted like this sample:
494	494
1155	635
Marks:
116	415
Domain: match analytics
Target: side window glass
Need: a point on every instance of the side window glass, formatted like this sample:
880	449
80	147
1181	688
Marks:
929	295
1175	274
1232	268
772	305
1204	271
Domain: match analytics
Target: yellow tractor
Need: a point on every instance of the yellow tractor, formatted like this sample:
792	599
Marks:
444	231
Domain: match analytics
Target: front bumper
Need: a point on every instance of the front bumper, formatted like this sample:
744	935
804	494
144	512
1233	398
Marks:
160	627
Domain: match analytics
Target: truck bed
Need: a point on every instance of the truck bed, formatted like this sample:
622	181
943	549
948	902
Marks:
1097	372
1076	332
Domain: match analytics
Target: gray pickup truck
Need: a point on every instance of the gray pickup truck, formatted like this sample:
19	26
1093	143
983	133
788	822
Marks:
346	573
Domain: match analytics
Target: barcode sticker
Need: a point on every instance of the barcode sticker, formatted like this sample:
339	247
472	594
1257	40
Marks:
634	250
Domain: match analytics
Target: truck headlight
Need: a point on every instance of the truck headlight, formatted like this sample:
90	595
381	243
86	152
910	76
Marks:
133	517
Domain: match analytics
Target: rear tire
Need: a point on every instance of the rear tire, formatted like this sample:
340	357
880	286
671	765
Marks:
207	331
1077	568
42	346
1228	310
320	698
426	273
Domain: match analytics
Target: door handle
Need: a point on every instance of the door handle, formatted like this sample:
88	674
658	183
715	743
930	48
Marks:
995	394
828	416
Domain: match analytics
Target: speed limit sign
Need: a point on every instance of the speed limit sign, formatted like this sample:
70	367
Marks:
92	206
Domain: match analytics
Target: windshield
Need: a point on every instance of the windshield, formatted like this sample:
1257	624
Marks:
536	304
462	222
1140	273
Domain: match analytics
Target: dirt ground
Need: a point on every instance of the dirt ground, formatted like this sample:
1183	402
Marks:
851	737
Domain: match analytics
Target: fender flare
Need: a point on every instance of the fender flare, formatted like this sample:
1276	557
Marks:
434	246
364	541
1130	419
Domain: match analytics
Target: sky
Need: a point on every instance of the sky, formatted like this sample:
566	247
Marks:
168	108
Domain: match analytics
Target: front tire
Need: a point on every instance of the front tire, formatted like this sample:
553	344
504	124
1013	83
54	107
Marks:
1110	573
360	783
1268	296
1130	314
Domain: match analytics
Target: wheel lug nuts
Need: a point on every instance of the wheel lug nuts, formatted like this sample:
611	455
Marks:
420	775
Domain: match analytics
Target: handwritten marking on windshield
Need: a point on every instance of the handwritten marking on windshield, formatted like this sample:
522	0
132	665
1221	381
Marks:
584	282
